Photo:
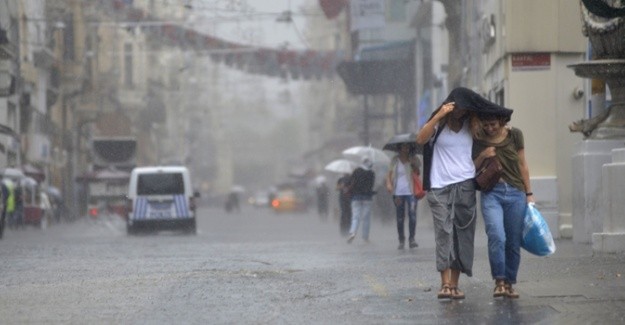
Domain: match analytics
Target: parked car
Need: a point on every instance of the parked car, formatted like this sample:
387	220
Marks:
289	200
259	200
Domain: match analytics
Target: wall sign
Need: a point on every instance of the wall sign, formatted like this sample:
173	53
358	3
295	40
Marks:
531	61
367	14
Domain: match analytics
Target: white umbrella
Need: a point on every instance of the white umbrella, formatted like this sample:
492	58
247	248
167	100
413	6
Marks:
13	173
320	180
342	166
377	156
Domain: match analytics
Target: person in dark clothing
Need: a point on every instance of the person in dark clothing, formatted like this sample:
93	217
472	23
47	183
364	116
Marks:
323	194
232	202
361	186
345	202
18	215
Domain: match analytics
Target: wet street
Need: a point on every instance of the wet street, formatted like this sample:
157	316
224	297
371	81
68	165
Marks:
264	268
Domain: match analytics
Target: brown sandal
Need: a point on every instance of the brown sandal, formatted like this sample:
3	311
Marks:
510	292
456	293
445	292
500	289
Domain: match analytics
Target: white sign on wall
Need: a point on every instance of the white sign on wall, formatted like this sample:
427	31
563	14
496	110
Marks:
367	14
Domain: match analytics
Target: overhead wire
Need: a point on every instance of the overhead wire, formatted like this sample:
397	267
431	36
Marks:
300	35
241	16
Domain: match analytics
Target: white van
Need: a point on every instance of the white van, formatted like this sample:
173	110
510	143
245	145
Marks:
161	197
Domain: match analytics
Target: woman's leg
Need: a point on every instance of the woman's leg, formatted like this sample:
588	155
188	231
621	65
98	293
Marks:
356	215
464	220
411	203
454	279
445	291
399	214
492	211
365	216
514	214
443	227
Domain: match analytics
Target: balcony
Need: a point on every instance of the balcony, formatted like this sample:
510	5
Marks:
54	87
7	50
7	78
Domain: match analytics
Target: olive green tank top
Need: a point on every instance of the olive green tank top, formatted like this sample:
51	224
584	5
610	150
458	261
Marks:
507	153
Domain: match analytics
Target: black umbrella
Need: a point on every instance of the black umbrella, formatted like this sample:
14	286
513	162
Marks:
410	138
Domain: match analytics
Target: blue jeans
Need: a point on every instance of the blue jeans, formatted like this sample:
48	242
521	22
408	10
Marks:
503	209
361	212
403	203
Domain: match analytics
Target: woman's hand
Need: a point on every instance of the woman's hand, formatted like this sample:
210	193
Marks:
428	128
488	152
445	109
388	183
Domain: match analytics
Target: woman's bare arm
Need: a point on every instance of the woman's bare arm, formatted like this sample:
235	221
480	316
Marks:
427	131
525	174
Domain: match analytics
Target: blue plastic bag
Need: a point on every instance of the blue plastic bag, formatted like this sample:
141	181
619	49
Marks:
537	238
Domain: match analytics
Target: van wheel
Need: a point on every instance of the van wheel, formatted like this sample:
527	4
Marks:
191	229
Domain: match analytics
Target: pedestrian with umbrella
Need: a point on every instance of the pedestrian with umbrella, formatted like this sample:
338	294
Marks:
343	167
399	182
361	188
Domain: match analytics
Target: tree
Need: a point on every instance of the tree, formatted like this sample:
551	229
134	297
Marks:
453	22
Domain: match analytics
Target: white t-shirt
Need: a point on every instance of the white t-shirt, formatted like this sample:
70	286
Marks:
451	159
401	186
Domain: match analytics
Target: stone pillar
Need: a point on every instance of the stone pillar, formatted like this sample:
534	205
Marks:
612	239
587	217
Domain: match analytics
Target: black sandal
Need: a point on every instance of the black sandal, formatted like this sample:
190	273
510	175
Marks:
456	293
445	292
510	292
500	289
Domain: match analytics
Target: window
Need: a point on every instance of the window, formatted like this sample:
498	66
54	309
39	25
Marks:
395	10
68	39
499	97
160	184
128	64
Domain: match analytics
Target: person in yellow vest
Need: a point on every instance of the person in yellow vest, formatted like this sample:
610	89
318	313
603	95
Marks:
8	203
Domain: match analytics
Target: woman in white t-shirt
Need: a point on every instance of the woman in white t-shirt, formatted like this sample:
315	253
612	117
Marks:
448	178
399	183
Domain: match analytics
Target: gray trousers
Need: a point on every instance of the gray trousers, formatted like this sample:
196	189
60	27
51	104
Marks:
454	211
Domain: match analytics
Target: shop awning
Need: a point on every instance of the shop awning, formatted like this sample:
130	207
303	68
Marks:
382	69
377	77
9	131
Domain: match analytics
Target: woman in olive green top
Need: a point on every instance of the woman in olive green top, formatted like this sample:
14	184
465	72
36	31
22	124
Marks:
503	207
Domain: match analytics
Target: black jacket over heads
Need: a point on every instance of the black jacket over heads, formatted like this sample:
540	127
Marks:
467	99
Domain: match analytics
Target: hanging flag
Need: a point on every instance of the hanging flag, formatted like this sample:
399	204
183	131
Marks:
266	61
332	8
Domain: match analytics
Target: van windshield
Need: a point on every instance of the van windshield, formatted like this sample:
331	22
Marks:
159	184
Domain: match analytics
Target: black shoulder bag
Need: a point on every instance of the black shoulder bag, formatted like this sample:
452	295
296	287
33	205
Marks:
428	151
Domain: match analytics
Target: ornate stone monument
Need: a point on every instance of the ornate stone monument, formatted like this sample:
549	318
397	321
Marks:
596	214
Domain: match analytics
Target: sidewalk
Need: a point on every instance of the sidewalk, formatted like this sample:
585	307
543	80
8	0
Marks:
581	286
572	286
